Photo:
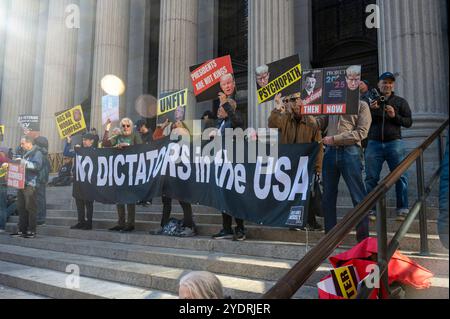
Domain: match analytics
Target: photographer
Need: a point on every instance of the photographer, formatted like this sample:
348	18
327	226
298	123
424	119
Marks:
389	114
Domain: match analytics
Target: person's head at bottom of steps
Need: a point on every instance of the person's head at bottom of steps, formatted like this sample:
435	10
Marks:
200	285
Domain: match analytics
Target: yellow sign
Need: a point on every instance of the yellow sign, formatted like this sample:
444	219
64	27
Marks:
2	132
173	101
3	170
345	281
280	83
70	122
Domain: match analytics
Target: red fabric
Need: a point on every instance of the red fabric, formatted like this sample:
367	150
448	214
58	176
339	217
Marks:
401	269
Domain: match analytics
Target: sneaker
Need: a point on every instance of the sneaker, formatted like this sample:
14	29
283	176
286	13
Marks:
87	226
18	234
78	226
127	229
30	235
239	235
117	228
373	215
223	235
402	214
188	232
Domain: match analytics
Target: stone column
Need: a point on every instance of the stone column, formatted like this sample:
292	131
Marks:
110	52
59	71
19	65
178	48
4	9
271	38
412	44
303	32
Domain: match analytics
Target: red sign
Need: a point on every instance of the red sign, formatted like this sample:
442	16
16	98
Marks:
16	176
209	73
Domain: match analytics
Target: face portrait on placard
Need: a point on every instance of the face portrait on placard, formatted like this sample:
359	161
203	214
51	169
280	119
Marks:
179	114
262	75
353	77
228	84
77	115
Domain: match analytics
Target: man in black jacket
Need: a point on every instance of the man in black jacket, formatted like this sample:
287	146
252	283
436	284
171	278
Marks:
389	114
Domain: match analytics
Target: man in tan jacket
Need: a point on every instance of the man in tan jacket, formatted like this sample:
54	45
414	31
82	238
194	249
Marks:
295	128
343	156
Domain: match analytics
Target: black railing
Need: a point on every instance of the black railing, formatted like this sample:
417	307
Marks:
290	283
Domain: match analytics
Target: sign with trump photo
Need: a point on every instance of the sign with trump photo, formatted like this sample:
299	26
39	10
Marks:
213	77
70	121
282	76
172	106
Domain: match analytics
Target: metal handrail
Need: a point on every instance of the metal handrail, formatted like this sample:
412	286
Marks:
292	281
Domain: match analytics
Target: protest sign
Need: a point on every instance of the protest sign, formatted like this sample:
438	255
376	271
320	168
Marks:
212	77
268	193
341	90
110	108
172	106
70	121
312	92
282	76
29	123
2	133
343	283
16	176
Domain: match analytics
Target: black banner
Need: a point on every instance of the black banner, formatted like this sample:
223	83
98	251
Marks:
268	190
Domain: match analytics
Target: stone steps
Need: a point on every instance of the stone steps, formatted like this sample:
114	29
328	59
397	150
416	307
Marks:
11	293
52	284
148	276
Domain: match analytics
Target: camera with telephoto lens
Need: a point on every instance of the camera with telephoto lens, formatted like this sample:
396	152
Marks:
375	96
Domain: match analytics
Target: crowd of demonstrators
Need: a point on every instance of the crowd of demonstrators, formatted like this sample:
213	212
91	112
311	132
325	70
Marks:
200	285
4	160
125	139
85	209
165	129
389	115
295	128
27	203
229	118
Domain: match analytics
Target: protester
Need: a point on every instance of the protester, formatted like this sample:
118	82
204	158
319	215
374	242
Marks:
443	200
200	285
4	160
229	119
85	209
146	133
343	156
125	139
208	119
180	129
297	129
64	177
385	141
27	198
42	143
96	137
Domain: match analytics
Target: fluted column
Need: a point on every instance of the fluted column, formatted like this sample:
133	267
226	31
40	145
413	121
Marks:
412	44
271	38
59	71
110	51
18	73
4	8
178	47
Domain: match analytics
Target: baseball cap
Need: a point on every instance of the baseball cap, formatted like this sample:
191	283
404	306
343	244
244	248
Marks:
387	75
88	136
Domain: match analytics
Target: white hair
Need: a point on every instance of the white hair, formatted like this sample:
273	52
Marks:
353	70
126	120
262	69
202	285
226	76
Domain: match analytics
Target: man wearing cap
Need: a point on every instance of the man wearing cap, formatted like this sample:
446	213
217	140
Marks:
85	208
385	140
295	128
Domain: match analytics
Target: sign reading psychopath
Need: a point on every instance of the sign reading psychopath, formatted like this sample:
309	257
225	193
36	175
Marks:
213	77
173	106
312	92
341	90
282	76
70	121
29	123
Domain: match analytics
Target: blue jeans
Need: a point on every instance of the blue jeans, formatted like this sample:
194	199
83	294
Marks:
345	161
3	205
393	153
443	201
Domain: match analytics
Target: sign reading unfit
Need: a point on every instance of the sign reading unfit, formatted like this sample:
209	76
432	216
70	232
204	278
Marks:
173	106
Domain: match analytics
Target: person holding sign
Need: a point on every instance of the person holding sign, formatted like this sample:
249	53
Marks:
296	128
4	160
27	197
126	139
85	208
